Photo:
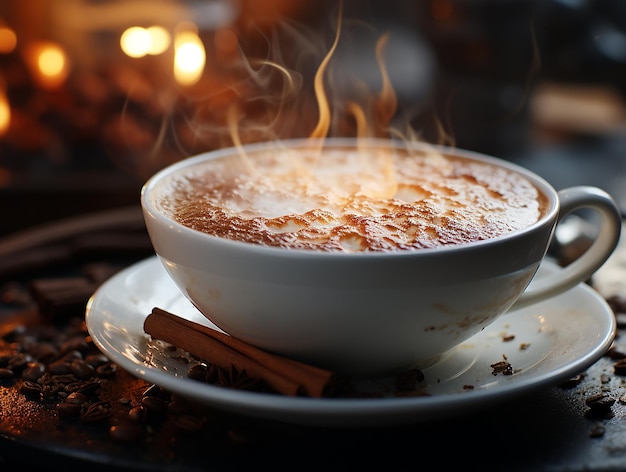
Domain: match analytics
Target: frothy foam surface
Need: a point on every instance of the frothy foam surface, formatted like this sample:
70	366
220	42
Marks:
351	201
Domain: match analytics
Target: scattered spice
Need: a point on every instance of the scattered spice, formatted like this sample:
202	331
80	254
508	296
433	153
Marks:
619	367
239	379
597	430
60	368
600	406
502	367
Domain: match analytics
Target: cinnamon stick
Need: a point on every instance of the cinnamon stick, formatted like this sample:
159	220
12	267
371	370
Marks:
284	375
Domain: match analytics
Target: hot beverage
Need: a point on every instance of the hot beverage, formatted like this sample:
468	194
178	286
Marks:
363	257
351	200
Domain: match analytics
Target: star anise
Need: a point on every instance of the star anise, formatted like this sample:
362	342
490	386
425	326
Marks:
239	379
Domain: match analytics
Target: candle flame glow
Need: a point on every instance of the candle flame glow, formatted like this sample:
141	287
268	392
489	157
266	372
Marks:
5	113
8	40
49	64
139	42
189	58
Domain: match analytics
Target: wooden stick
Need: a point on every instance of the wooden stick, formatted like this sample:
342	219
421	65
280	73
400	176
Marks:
284	375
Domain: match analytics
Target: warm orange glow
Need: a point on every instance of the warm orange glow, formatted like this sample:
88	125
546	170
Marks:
49	64
139	42
51	61
189	57
159	40
5	114
8	39
135	41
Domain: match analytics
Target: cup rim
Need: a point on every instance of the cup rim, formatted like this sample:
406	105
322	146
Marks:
149	209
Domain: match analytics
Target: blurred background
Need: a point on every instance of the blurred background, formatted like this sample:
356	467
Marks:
97	95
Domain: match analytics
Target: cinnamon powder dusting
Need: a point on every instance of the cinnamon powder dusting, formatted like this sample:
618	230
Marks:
341	200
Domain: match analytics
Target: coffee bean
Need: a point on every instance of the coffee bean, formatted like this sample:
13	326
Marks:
19	362
125	401
33	371
6	373
76	398
96	360
600	401
68	409
32	390
138	414
64	379
81	369
59	367
89	388
46	352
17	332
620	367
77	343
98	411
600	406
69	356
28	343
197	372
154	404
106	370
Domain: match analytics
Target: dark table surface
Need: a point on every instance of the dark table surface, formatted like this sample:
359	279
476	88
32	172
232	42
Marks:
548	429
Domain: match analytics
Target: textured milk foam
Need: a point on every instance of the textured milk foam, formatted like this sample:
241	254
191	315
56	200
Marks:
346	200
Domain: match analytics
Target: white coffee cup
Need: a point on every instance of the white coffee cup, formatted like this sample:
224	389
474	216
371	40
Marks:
370	313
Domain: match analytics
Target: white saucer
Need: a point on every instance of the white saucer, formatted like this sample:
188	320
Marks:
553	341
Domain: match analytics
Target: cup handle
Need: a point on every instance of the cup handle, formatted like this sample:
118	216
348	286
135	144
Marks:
580	270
